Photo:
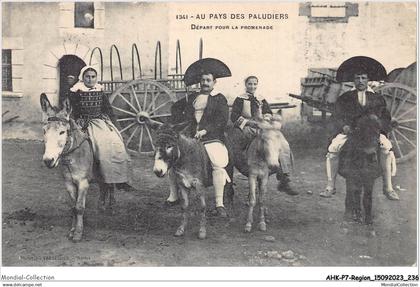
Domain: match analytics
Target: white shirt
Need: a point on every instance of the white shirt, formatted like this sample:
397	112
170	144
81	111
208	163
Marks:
361	95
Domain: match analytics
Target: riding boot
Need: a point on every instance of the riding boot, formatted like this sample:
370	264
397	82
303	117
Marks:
386	165
332	170
284	183
219	181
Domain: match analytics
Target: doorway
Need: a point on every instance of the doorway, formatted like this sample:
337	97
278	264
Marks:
68	65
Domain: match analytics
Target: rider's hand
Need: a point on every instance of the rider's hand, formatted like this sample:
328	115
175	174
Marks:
200	134
346	129
251	124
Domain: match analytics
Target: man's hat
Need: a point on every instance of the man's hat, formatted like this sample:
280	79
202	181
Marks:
393	74
205	66
360	65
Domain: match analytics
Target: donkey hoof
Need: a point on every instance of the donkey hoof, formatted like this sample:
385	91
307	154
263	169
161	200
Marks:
70	234
179	232
248	227
109	211
101	209
202	234
262	226
77	237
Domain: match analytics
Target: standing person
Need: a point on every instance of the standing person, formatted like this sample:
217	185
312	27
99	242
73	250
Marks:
207	113
351	106
93	112
245	109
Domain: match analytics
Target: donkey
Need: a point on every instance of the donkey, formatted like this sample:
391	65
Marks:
190	167
359	165
260	160
66	144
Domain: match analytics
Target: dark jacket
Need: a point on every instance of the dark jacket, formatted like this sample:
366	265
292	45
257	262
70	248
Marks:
239	103
214	120
347	110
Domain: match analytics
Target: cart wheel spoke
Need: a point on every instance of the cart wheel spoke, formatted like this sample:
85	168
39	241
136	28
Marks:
393	104
128	103
135	97
407	128
160	116
127	127
160	106
125	119
145	96
156	96
150	137
132	135
123	111
406	138
141	138
413	108
396	144
407	121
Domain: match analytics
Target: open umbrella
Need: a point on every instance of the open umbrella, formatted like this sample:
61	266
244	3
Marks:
358	65
207	65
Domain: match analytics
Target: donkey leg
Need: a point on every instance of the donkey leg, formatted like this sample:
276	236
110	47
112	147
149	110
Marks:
83	186
252	201
348	213
102	196
173	189
261	196
357	205
185	202
72	191
202	233
367	201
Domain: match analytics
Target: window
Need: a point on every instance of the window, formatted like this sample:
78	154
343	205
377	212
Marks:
6	83
84	13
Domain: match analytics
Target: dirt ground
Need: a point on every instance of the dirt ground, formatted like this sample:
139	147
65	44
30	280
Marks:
36	218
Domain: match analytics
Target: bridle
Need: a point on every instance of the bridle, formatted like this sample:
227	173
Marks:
70	146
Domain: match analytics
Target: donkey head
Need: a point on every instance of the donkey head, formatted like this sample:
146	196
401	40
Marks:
270	138
56	129
366	134
166	149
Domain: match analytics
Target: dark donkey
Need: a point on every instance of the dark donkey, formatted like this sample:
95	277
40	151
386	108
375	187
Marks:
359	165
187	160
67	144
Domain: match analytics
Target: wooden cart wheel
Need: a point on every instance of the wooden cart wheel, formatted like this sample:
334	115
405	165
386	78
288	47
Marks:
402	103
135	104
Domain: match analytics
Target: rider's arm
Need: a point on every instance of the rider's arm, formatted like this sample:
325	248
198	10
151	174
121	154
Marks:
236	113
236	110
340	114
266	108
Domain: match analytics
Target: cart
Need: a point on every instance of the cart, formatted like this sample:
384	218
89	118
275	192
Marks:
320	91
140	101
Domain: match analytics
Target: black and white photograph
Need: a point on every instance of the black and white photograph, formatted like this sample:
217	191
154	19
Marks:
210	134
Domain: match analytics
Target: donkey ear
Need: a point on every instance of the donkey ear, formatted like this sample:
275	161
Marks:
45	103
67	106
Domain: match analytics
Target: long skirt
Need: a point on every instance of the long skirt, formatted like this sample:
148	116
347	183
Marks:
109	151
